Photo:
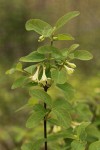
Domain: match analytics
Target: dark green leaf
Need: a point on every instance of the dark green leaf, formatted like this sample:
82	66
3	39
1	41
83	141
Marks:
81	133
77	145
61	103
55	53
67	89
39	26
36	116
64	19
33	57
41	95
59	76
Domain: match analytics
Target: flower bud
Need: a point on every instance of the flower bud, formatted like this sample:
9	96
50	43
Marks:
41	38
72	65
69	70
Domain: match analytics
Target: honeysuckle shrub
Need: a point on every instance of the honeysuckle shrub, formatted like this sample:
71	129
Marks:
44	73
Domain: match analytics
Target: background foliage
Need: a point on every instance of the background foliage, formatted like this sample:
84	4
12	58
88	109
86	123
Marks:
15	42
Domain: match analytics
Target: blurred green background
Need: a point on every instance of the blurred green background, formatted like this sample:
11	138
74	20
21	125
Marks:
15	42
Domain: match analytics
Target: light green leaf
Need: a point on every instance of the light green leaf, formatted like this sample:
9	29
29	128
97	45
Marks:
73	47
81	55
41	95
64	19
36	116
63	117
64	37
77	145
10	71
19	66
19	82
39	26
27	146
33	57
95	146
30	69
59	76
67	89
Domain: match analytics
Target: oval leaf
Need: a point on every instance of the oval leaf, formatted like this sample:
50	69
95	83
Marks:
82	55
77	145
64	19
59	76
33	57
39	26
95	146
64	37
67	89
41	95
36	116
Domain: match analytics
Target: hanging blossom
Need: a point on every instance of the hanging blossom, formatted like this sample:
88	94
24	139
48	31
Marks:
44	77
44	80
35	76
69	70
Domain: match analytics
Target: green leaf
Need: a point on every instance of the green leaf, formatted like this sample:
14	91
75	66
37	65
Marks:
19	66
61	103
27	146
39	26
30	69
10	71
67	89
59	76
73	47
19	82
95	146
55	53
62	134
93	131
81	133
36	116
33	57
64	19
77	145
63	117
41	95
81	55
64	37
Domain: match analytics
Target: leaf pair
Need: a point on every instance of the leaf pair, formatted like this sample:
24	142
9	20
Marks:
44	28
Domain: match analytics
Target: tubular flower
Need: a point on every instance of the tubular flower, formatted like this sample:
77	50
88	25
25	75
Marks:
69	70
35	76
72	65
44	77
